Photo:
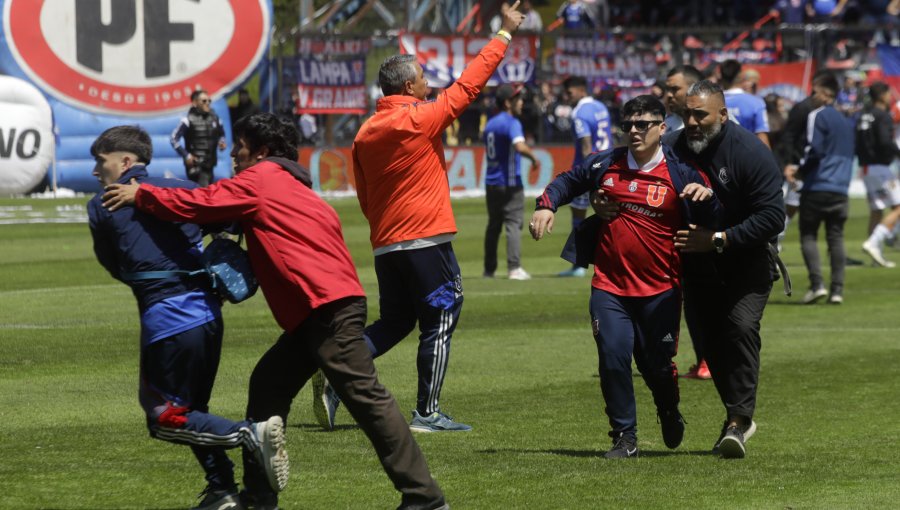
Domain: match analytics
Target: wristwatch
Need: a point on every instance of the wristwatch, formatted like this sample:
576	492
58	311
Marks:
719	242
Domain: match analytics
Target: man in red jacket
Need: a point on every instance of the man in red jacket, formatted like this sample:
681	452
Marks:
402	187
289	231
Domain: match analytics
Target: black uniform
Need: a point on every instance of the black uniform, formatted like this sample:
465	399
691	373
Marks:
725	293
201	132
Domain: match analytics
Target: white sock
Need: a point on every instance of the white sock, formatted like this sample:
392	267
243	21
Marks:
879	235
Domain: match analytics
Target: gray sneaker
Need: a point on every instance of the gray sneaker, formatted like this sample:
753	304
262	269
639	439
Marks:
624	447
325	401
270	452
436	422
732	443
221	499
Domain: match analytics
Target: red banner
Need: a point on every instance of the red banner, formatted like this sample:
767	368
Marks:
790	81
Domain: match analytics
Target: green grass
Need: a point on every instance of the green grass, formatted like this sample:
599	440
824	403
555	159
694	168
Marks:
523	373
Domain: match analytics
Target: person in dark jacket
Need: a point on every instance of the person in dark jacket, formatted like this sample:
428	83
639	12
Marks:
181	324
728	273
202	132
635	299
826	167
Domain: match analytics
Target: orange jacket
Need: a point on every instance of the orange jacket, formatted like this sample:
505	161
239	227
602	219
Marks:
398	157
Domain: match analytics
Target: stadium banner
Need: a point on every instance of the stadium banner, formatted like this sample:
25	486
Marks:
790	81
330	75
332	171
889	57
444	57
26	136
606	60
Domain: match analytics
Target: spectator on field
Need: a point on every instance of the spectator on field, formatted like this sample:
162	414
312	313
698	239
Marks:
322	312
504	145
203	133
181	323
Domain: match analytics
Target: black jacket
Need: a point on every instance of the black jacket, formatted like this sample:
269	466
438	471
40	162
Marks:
875	143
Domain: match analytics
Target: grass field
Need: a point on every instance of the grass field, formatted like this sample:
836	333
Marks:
523	373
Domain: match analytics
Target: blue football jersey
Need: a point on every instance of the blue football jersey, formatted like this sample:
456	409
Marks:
504	163
747	110
591	118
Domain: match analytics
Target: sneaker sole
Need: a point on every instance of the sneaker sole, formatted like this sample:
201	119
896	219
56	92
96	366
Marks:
274	456
750	431
731	448
428	430
815	299
320	401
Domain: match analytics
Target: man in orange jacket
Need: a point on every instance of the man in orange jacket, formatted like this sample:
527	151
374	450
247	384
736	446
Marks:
402	186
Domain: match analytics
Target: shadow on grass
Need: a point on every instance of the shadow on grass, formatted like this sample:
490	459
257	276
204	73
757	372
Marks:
594	453
315	427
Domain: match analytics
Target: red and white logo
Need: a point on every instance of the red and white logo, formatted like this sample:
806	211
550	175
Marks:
136	57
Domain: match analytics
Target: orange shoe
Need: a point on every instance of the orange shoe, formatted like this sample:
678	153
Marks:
699	371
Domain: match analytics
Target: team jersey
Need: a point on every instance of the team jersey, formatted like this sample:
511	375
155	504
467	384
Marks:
590	118
747	110
504	162
636	255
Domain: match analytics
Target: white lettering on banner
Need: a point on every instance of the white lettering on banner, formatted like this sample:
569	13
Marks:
444	58
332	98
620	67
313	72
461	170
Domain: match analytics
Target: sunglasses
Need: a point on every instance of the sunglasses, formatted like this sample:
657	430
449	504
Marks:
640	125
204	101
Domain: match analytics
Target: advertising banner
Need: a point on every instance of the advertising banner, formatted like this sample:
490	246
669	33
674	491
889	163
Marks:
330	75
444	57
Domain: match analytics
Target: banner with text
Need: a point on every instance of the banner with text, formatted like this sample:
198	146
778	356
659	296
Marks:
444	58
610	60
330	76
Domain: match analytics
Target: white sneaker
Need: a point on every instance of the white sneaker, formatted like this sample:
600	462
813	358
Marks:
813	295
874	251
835	299
270	451
519	274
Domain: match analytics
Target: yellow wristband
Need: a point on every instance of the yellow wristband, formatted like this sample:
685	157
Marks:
504	34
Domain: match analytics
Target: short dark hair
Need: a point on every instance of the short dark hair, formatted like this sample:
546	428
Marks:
706	88
878	89
691	74
131	139
195	94
575	81
394	72
827	80
730	69
268	130
646	103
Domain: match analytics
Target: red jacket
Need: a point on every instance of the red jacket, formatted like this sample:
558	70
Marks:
398	157
294	238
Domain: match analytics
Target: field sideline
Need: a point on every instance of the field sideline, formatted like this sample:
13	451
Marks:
522	372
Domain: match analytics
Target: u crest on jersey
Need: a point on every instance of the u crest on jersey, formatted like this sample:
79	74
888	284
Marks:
656	195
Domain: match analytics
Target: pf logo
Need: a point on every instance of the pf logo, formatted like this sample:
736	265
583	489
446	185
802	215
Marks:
136	57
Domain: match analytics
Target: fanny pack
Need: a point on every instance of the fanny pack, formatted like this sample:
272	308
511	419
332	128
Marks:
225	264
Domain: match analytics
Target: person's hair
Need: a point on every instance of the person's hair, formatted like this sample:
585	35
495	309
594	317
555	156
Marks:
644	104
691	74
575	81
195	94
131	139
394	72
878	89
730	69
771	100
268	130
827	80
706	88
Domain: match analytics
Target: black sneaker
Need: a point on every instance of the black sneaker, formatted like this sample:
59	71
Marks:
715	448
732	444
624	446
219	499
435	504
672	425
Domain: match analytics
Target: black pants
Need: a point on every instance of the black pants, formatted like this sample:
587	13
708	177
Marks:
331	338
832	209
200	173
725	315
505	207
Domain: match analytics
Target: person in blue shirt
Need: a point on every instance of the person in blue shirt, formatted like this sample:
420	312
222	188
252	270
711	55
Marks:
826	167
181	324
825	11
790	11
746	109
591	126
504	144
575	15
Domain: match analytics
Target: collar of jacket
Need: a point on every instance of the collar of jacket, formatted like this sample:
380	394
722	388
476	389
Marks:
294	168
397	101
135	172
198	111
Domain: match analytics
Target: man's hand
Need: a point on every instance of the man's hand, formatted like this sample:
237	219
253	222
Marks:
694	240
190	160
117	195
790	175
222	145
541	221
605	208
512	18
696	192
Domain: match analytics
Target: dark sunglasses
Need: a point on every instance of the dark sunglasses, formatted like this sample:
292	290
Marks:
204	101
640	125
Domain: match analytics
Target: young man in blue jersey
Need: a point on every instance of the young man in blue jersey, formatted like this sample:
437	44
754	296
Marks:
504	143
590	124
181	324
746	109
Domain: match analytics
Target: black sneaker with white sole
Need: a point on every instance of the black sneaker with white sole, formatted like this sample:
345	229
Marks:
732	444
624	446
